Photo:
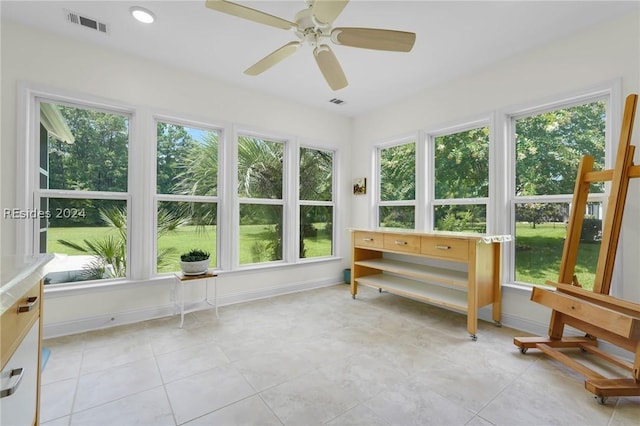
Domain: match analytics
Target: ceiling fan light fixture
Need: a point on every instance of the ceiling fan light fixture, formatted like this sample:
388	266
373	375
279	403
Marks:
142	15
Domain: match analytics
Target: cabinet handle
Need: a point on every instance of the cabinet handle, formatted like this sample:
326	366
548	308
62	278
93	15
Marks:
31	303
368	240
401	243
16	374
442	247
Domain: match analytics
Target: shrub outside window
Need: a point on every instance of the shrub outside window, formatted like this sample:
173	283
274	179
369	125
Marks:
461	180
316	171
548	148
83	192
397	191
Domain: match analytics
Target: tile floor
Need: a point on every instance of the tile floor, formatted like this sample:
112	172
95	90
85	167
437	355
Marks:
312	358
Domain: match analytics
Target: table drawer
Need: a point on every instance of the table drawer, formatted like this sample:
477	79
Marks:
17	320
445	248
402	242
367	239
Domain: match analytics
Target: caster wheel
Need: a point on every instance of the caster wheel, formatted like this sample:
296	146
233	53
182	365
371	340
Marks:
353	296
474	337
498	324
601	399
523	350
379	290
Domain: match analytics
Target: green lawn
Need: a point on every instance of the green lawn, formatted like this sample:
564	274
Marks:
252	238
539	251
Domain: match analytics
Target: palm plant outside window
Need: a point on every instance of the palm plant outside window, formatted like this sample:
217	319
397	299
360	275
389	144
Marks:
83	192
187	192
316	203
260	193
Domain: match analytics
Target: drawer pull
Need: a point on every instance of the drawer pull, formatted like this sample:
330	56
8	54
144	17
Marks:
31	303
442	247
401	243
16	378
368	240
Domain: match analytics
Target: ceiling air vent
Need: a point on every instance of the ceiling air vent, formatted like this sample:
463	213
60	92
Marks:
76	18
336	101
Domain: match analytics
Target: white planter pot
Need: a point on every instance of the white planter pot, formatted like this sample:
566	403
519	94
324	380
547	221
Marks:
195	268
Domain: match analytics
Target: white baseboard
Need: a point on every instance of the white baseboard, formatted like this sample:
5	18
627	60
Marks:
65	328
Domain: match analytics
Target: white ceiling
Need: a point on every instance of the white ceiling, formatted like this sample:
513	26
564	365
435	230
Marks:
454	38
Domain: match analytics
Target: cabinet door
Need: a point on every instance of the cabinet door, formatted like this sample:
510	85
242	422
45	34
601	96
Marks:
20	382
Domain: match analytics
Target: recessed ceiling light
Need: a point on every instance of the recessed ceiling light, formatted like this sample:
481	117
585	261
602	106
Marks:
141	14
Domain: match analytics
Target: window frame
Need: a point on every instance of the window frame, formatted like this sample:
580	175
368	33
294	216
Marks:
220	190
28	182
287	188
300	202
432	201
611	94
377	181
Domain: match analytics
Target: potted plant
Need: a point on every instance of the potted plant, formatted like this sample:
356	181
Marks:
194	262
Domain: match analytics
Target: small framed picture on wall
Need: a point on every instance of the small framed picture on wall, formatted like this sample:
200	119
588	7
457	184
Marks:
360	186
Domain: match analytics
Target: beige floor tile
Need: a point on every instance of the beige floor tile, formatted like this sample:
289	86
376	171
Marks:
311	399
150	408
415	402
359	416
108	385
62	365
317	357
56	399
204	393
189	361
251	411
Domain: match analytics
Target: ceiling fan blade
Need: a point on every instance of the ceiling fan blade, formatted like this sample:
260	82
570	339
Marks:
273	58
249	13
326	11
330	67
373	38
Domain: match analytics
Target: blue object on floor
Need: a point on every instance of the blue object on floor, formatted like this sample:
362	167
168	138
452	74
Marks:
46	352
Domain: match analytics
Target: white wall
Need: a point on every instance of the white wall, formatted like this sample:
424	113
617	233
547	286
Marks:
58	62
603	53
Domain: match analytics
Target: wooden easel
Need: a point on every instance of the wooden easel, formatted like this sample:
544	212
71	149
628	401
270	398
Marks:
598	314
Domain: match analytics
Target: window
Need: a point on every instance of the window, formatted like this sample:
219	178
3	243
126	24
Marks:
461	180
548	147
187	192
397	191
260	194
316	202
82	192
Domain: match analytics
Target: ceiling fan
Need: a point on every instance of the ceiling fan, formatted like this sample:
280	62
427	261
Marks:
313	26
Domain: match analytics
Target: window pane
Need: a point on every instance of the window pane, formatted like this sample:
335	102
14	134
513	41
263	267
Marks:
187	160
91	236
316	231
398	173
397	217
541	229
549	147
462	164
182	227
316	174
260	233
461	218
260	167
87	150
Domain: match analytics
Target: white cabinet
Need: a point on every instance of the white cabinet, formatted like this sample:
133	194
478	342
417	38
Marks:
19	382
457	271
